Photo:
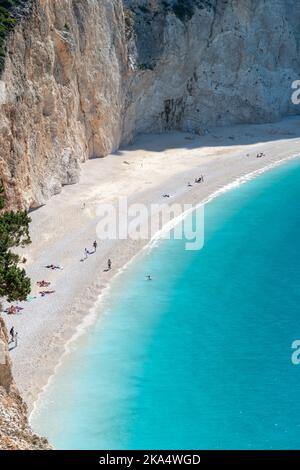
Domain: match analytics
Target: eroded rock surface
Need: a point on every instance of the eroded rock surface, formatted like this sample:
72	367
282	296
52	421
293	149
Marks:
82	77
15	432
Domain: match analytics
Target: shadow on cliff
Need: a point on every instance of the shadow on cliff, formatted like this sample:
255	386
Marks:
238	135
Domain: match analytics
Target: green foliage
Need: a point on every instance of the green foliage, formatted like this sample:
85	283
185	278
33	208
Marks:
2	197
7	23
14	232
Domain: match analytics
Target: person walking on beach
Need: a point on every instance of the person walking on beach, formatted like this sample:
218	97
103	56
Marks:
86	252
16	340
95	244
109	264
12	334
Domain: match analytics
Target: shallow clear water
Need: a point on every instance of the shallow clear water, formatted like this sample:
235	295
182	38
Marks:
201	356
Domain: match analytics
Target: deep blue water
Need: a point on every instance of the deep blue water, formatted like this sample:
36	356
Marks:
201	356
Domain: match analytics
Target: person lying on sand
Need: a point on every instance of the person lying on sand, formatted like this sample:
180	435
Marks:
166	195
54	267
13	310
200	180
47	292
43	283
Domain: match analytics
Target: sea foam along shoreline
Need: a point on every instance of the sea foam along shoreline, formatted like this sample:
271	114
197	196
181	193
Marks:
155	165
219	192
95	311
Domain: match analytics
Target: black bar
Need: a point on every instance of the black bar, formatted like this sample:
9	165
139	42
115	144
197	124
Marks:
144	459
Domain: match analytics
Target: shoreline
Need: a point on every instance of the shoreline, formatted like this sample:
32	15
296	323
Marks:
90	319
72	326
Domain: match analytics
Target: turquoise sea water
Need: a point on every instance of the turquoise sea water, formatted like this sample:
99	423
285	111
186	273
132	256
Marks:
201	356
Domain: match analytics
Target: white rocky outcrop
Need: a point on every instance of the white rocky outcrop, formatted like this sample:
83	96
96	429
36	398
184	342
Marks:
82	77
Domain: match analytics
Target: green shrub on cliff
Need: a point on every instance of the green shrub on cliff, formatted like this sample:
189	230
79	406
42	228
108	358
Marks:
2	197
7	23
14	232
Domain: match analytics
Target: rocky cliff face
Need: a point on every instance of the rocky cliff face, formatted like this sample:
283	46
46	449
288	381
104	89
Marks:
82	77
15	433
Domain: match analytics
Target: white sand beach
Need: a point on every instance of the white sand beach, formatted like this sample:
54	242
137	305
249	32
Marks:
154	165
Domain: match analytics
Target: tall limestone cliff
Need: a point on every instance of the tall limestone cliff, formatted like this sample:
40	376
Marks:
15	433
81	77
